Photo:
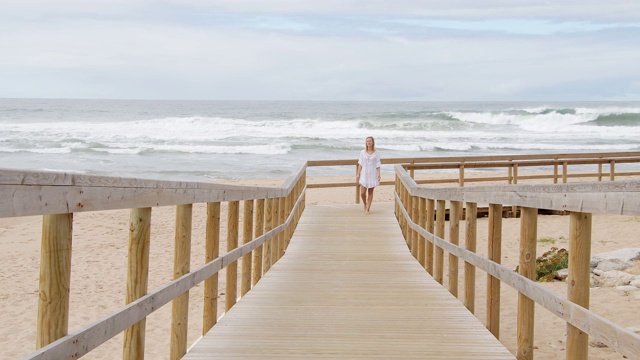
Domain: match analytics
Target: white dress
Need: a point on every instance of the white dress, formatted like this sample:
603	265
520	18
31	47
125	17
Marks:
369	172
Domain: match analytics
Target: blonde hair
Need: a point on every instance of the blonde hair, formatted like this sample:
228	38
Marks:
373	145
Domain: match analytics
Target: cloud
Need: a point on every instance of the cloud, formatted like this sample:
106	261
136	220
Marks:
333	50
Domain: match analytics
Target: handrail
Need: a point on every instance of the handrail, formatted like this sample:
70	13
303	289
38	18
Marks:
84	340
57	195
41	193
596	197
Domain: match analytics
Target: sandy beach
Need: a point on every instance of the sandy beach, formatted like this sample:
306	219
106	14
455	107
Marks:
99	260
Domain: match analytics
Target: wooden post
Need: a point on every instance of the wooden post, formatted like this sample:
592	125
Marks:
510	174
232	243
212	251
578	280
612	170
289	207
514	208
422	221
555	172
565	169
414	217
259	231
268	226
527	268
55	278
461	175
411	235
600	172
431	204
247	236
137	278
283	218
455	213
471	217
357	188
275	242
494	254
439	253
181	266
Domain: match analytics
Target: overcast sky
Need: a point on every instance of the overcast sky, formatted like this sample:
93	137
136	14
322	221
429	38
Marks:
321	50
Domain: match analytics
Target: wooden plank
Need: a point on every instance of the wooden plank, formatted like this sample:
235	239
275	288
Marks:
181	266
212	251
527	268
55	278
348	288
137	278
578	280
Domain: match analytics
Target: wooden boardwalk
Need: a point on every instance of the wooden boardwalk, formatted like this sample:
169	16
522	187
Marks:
348	288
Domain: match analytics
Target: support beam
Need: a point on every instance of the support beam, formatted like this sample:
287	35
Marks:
494	254
578	280
55	278
527	268
181	266
137	278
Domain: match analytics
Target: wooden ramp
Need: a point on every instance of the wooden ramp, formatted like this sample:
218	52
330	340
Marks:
348	287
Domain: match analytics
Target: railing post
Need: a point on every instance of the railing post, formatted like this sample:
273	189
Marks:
431	205
259	231
422	221
555	172
247	236
578	280
471	216
212	251
137	278
232	243
275	241
357	188
439	253
461	175
181	266
510	174
268	226
514	208
612	170
600	172
454	238
494	254
527	268
283	217
565	169
55	278
412	209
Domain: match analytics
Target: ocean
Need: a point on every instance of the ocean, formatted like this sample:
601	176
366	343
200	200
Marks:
218	140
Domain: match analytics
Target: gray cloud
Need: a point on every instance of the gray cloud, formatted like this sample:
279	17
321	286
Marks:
334	50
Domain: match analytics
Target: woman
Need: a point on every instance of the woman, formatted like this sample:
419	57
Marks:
368	174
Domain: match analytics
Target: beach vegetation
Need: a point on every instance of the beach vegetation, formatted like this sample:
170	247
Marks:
549	263
547	240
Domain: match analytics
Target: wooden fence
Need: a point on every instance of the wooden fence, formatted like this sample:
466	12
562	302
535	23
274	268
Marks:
552	166
270	217
57	196
421	214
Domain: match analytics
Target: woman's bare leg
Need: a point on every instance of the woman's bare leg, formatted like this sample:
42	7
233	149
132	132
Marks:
363	195
369	199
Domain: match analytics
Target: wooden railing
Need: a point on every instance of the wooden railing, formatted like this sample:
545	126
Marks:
552	166
421	215
270	216
57	196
